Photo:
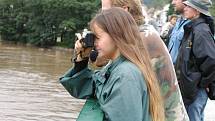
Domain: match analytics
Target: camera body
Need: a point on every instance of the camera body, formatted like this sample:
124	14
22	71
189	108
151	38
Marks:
87	38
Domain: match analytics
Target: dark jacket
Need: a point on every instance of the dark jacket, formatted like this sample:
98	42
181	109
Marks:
196	61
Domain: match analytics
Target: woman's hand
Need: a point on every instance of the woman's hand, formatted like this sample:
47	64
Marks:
80	51
78	47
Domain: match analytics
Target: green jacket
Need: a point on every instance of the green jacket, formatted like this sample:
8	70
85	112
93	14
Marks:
119	87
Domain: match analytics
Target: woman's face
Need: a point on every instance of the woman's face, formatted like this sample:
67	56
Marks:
190	13
105	45
173	20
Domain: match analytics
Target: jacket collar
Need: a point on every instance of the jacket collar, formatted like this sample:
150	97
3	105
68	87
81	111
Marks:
194	23
104	74
116	62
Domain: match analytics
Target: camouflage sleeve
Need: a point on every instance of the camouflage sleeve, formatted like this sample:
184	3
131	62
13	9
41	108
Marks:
163	66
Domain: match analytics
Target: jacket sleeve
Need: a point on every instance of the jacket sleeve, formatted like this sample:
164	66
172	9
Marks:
204	51
78	81
125	100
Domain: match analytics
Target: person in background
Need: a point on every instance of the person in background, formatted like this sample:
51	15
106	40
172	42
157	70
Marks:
126	88
196	60
167	28
178	31
160	60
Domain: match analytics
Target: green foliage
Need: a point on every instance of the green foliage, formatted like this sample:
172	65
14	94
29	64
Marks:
171	10
40	22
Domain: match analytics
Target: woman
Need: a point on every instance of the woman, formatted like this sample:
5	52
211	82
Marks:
196	61
126	88
160	59
167	27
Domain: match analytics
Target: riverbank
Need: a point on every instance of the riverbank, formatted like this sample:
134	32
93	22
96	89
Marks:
57	48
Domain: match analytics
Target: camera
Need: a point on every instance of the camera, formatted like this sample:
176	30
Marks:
87	38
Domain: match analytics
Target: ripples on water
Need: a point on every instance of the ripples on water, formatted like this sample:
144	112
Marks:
29	87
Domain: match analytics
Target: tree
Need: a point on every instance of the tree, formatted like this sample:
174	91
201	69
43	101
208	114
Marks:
39	22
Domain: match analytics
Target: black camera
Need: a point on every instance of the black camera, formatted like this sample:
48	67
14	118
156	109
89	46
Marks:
87	38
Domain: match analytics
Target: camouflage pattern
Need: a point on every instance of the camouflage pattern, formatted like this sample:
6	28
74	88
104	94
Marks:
163	66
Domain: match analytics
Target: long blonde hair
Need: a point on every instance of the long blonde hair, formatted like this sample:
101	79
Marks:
134	8
124	31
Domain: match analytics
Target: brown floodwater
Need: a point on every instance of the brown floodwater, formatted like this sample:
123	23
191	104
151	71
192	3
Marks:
29	86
